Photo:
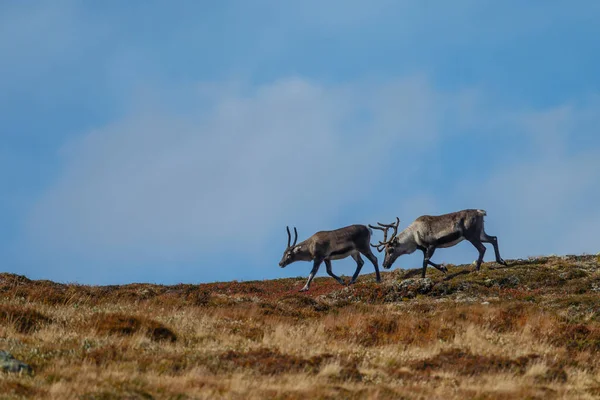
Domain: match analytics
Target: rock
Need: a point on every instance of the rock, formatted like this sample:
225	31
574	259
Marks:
10	364
510	281
489	282
413	286
462	298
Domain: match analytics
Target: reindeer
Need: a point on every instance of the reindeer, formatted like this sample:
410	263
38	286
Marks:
428	232
325	246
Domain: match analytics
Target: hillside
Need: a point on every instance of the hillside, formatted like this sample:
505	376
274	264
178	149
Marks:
528	330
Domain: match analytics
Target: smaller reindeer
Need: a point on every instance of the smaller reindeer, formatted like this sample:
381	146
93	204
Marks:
352	240
427	233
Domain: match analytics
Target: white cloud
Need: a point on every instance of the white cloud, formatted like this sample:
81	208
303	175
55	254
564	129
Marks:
543	198
159	184
539	201
167	185
181	178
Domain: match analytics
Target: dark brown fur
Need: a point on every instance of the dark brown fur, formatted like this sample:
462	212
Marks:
325	246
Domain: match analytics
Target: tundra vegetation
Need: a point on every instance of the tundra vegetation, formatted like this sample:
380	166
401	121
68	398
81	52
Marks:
527	330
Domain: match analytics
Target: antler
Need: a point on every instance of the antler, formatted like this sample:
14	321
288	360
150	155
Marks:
287	228
385	227
392	225
381	245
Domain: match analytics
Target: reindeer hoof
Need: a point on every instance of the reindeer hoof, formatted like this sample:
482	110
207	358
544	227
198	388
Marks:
304	289
502	262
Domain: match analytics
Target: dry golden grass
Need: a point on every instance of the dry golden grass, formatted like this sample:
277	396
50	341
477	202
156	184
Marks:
531	330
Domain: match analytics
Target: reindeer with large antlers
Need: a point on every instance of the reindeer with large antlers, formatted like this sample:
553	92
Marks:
325	246
427	233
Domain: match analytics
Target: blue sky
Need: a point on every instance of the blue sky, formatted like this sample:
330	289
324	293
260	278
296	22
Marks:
142	141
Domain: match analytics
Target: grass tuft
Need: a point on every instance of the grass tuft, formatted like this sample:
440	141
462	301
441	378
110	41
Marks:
127	325
464	362
23	319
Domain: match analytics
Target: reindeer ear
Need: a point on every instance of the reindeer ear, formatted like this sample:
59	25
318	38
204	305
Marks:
297	249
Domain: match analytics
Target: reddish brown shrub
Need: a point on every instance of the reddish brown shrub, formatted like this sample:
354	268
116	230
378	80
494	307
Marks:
104	355
463	362
577	337
121	324
24	320
40	293
253	333
10	388
350	372
198	298
508	318
157	331
446	334
303	302
270	362
403	329
378	330
390	328
553	374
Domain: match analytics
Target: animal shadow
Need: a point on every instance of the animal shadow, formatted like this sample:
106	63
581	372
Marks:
455	274
416	273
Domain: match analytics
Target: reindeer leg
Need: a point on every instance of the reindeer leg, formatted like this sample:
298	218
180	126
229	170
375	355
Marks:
359	265
371	257
330	272
481	249
485	238
313	272
427	253
438	267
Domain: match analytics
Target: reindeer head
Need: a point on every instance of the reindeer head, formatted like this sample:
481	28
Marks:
291	252
392	247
